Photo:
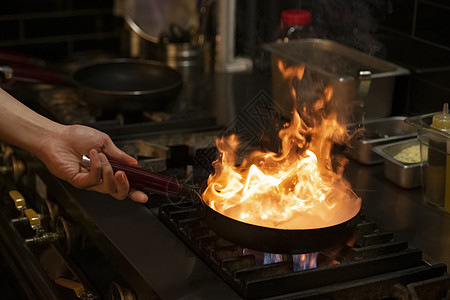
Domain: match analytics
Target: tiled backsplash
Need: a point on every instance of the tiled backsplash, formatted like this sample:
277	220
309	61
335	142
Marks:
422	45
54	29
426	20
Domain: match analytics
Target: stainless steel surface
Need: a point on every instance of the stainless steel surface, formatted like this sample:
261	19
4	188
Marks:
403	212
377	132
406	175
146	251
135	239
333	64
137	243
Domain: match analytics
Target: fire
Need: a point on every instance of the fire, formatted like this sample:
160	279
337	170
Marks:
295	188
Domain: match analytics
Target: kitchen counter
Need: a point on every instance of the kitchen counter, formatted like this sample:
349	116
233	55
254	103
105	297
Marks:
235	99
241	103
148	254
403	212
140	239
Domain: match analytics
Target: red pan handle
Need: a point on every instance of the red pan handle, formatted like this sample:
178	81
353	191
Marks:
147	180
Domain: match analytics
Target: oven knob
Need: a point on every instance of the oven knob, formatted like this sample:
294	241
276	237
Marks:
77	287
41	236
34	219
19	201
118	292
67	233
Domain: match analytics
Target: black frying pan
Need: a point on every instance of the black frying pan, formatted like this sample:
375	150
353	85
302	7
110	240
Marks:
276	240
120	84
126	84
265	239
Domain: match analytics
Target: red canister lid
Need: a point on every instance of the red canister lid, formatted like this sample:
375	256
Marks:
296	17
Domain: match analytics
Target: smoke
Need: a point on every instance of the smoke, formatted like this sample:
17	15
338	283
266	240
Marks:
350	22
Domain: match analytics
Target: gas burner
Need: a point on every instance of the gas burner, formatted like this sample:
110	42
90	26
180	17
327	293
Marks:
64	105
371	264
305	261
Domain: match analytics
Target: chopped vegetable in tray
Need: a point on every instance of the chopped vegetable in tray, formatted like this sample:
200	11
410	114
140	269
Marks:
409	154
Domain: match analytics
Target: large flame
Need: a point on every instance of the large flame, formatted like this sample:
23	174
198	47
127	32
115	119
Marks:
296	188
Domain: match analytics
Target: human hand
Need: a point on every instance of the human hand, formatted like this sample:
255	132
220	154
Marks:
62	155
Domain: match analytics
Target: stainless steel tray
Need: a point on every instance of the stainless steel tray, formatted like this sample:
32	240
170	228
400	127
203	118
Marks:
328	63
374	133
406	175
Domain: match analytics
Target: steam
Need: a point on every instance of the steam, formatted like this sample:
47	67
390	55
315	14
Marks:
350	22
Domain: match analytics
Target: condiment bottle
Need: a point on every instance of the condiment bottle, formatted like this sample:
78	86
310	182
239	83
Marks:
441	120
438	183
296	24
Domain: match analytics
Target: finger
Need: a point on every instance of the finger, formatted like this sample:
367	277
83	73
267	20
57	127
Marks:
122	185
108	184
91	178
138	196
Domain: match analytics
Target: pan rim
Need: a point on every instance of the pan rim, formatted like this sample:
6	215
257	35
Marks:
250	225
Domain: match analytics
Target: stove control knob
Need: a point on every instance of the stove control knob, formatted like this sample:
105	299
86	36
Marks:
118	292
77	287
52	210
67	232
33	218
19	201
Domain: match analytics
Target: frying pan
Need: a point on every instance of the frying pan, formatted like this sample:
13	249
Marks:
120	84
265	239
128	84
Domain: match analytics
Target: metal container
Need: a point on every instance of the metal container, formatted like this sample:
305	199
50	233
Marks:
375	133
362	84
435	147
404	174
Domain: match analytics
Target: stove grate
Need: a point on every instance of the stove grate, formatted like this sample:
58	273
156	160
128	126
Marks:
373	266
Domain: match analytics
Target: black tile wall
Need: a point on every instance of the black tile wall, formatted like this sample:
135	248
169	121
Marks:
433	23
92	4
47	50
11	7
420	41
67	25
400	16
425	20
54	29
87	44
9	30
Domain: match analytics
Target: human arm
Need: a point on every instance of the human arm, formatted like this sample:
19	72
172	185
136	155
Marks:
60	148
